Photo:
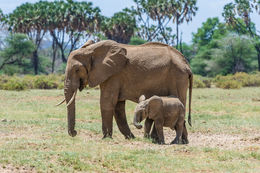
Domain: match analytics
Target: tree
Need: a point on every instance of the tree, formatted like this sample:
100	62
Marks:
183	10
18	48
162	12
30	19
238	15
211	29
70	21
120	27
235	54
204	40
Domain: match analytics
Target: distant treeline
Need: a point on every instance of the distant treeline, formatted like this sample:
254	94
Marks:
36	38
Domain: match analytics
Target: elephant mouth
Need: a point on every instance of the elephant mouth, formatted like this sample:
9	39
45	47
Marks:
81	85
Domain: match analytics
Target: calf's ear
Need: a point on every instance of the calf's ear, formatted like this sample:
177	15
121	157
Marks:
141	98
154	107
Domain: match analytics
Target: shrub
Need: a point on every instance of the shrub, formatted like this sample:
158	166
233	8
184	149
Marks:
45	82
14	84
229	84
201	82
31	82
244	79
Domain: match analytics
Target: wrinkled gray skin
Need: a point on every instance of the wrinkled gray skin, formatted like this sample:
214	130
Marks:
124	72
165	112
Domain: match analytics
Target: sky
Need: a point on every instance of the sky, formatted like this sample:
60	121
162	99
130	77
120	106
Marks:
207	8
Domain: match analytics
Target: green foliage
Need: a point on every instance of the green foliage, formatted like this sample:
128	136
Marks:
154	16
14	83
120	27
238	80
201	82
136	41
228	84
15	55
235	54
31	82
211	29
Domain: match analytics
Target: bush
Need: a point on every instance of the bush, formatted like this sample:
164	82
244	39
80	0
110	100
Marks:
201	82
31	82
14	84
229	84
244	79
45	82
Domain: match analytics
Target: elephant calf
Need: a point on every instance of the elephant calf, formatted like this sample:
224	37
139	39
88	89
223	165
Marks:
165	112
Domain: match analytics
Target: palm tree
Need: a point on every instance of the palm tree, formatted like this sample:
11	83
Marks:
120	27
70	21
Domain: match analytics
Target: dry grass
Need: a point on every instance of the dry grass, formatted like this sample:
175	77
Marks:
225	136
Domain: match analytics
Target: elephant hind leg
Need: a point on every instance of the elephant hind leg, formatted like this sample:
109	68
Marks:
121	120
179	129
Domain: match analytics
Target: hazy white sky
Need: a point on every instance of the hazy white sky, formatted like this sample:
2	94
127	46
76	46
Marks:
207	8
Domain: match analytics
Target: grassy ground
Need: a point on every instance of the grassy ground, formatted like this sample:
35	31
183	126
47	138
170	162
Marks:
225	136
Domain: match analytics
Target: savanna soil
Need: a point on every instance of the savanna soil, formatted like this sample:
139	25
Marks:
225	136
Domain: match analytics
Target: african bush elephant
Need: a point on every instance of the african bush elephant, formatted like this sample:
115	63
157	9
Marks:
165	111
124	72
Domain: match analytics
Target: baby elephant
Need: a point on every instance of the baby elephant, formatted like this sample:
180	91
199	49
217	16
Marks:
165	111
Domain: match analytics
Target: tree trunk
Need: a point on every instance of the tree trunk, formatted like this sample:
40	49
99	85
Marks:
54	50
177	31
63	56
35	62
258	55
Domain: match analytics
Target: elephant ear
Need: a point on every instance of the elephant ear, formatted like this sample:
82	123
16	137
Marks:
89	42
107	60
154	107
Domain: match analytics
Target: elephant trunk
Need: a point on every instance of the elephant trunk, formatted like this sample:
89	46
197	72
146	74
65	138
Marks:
70	100
136	122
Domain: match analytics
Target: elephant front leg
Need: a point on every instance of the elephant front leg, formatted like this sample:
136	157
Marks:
154	134
159	128
147	127
107	122
121	120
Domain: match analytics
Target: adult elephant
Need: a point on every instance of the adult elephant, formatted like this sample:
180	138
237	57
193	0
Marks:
124	72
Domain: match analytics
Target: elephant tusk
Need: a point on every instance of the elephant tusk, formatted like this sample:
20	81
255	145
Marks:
60	102
72	98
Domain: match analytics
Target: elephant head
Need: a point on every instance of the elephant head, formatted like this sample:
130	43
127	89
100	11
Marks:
147	108
91	65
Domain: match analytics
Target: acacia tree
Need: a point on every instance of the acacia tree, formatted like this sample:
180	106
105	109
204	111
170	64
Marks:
238	15
120	27
30	19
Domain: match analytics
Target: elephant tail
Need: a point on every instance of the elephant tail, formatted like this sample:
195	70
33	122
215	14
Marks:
190	95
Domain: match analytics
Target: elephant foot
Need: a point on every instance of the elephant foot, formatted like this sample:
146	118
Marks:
107	135
157	141
72	133
130	136
176	141
146	135
185	141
